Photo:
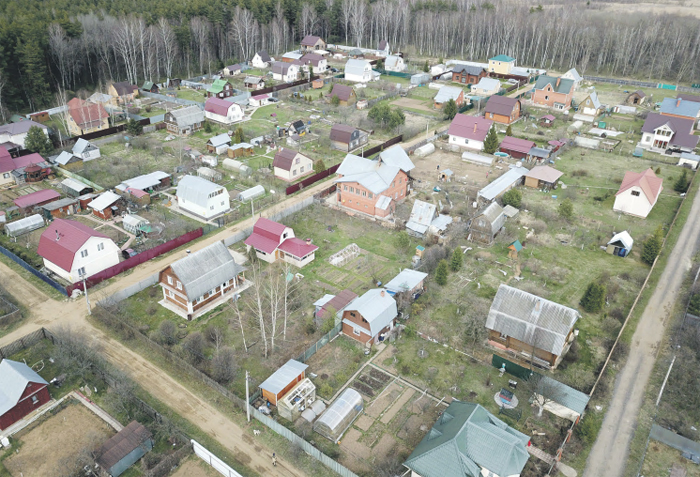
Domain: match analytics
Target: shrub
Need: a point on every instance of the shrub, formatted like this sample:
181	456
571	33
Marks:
566	209
594	298
207	127
513	198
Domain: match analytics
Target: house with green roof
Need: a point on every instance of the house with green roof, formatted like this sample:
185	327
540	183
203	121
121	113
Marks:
553	92
501	64
220	88
468	441
150	86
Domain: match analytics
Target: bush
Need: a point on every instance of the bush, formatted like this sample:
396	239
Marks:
402	241
134	128
207	127
513	198
566	209
593	299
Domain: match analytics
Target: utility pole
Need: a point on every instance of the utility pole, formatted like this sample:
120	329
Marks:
247	402
87	299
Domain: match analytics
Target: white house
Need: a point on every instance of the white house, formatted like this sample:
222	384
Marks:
202	198
318	62
273	241
359	71
261	60
74	251
232	70
259	100
661	133
638	193
85	150
383	49
16	133
394	63
573	75
222	111
290	165
287	72
486	87
469	131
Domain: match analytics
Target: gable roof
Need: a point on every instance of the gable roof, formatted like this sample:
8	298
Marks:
253	80
468	69
392	61
188	116
573	75
516	144
545	173
235	67
312	58
284	158
196	189
143	182
218	106
465	438
531	319
280	67
14	377
685	97
218	86
65	157
266	236
62	239
147	85
407	279
397	156
343	92
624	238
447	93
680	107
36	197
86	115
220	140
81	145
502	105
421	216
206	269
377	307
505	58
297	247
20	127
470	127
356	67
124	87
122	444
489	84
375	176
286	374
498	186
650	184
342	133
264	56
594	98
338	303
382	45
310	40
682	129
106	199
565	85
494	215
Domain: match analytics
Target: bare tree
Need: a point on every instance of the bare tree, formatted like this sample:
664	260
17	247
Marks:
223	365
168	44
255	303
543	391
215	334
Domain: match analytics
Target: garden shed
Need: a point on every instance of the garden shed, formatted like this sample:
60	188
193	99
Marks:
340	415
124	449
620	244
283	380
24	226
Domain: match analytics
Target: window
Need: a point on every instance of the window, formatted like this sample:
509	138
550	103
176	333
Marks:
83	253
546	98
81	271
297	161
170	280
6	175
491	115
364	194
294	172
301	169
352	189
503	336
635	193
100	247
370	195
179	285
353	314
171	294
35	399
356	331
211	207
222	202
345	187
357	191
393	184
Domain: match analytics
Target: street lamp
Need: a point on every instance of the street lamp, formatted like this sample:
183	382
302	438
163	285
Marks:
83	276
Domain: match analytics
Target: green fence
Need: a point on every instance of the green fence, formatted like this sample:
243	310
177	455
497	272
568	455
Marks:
667	86
465	108
393	73
511	368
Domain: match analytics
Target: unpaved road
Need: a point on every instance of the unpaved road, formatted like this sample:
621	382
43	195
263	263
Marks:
609	454
49	313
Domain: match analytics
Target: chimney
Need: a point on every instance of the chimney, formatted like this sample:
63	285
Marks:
678	102
558	81
474	126
58	237
383	293
308	241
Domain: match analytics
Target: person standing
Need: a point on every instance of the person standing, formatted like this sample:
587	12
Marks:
274	460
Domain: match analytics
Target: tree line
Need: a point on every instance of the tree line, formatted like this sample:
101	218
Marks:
51	45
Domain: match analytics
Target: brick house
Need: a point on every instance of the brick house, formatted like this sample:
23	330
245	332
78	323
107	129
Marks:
553	92
447	93
201	281
22	391
464	74
367	318
502	109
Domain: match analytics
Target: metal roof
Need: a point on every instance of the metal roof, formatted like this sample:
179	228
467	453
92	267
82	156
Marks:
14	377
397	156
421	216
373	175
510	211
680	107
325	299
81	145
572	74
497	187
57	204
206	269
123	443
357	67
545	173
285	375
565	85
447	93
24	226
516	144
220	140
383	202
441	222
624	238
37	197
65	157
377	307
531	319
188	116
494	215
407	279
566	395
505	58
105	200
488	84
690	157
144	182
196	190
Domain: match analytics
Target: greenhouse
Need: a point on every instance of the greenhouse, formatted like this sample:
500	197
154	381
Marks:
24	226
251	193
340	415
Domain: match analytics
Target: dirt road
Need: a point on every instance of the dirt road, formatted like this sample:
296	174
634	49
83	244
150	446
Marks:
609	454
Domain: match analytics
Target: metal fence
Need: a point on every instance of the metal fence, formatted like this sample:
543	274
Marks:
645	84
311	180
325	339
33	271
217	464
425	141
170	99
373	150
511	367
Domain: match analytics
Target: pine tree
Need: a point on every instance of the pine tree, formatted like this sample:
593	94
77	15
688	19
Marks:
456	262
491	142
134	128
593	299
37	141
652	247
450	109
207	127
238	136
426	67
441	273
509	130
335	100
681	184
34	73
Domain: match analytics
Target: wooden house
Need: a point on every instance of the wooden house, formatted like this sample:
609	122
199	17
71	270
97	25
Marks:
23	391
240	150
347	138
282	381
487	224
516	147
107	205
150	87
61	208
542	177
312	43
547	121
620	244
368	318
636	98
220	88
502	109
346	94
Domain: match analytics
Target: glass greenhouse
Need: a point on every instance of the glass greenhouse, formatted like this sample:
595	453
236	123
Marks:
340	415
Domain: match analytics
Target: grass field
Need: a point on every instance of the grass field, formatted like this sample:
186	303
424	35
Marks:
192	95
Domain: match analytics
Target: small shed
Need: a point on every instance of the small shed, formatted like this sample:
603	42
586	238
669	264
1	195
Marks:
252	193
24	226
209	174
340	415
510	211
636	98
283	380
124	449
420	79
620	244
74	188
135	224
61	208
542	177
689	159
242	149
516	147
219	144
445	175
107	205
547	121
514	248
539	154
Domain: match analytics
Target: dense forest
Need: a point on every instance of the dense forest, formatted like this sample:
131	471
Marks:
52	46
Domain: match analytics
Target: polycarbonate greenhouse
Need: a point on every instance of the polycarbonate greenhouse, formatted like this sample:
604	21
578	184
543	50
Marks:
340	415
24	226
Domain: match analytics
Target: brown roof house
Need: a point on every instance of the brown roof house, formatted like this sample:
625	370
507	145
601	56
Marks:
290	165
124	449
310	43
85	117
201	281
636	98
487	225
368	318
330	304
346	94
536	330
502	109
542	177
123	92
347	138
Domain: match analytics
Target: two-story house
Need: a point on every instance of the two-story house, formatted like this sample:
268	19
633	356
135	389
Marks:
201	281
501	64
317	62
590	105
346	94
368	318
395	63
222	111
290	165
466	74
469	131
347	138
123	92
553	92
638	193
74	251
184	121
273	241
84	117
287	72
261	60
86	150
661	133
502	109
358	71
220	88
311	43
202	198
374	187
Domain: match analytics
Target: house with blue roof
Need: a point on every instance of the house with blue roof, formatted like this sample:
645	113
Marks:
680	108
468	441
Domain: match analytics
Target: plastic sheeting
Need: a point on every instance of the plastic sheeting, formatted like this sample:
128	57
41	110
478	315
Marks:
340	415
24	226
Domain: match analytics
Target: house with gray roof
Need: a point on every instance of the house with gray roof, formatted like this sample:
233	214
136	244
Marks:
395	63
553	92
359	71
680	108
424	220
408	280
467	74
283	380
536	330
368	318
201	281
86	150
22	391
574	76
487	224
590	105
447	93
185	121
202	198
468	441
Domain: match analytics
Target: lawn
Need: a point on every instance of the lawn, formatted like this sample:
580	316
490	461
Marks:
193	95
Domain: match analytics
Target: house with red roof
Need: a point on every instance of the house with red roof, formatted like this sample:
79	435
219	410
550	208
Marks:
74	251
516	147
29	168
290	165
222	111
469	131
85	117
22	391
638	193
27	203
273	241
